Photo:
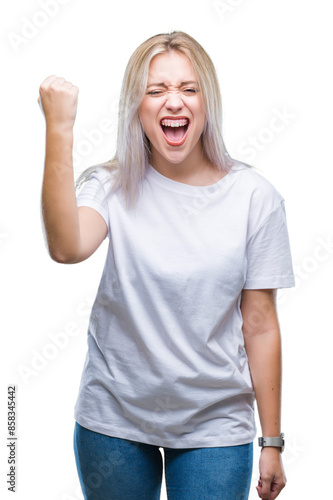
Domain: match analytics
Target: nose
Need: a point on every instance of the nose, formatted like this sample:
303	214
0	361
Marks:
174	101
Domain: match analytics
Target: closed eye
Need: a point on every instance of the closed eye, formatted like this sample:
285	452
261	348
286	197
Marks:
156	92
186	91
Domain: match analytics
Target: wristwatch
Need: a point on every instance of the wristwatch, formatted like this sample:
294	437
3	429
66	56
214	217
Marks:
276	442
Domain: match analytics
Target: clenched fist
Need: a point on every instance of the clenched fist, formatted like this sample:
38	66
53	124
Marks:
58	101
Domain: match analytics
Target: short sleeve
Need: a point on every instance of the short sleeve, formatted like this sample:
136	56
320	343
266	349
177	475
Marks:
269	261
93	195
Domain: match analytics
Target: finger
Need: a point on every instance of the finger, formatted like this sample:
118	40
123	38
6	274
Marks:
259	488
49	80
63	82
260	494
276	492
52	81
68	84
266	490
59	81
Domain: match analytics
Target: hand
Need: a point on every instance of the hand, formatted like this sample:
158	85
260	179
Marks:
272	477
58	101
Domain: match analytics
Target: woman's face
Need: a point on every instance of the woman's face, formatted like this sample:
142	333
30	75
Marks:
171	112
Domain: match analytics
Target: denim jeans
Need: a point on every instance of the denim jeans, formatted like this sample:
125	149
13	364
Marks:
110	468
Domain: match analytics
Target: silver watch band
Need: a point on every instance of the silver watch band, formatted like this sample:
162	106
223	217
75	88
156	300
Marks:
276	442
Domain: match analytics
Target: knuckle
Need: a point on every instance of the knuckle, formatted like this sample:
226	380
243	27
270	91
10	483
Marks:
57	82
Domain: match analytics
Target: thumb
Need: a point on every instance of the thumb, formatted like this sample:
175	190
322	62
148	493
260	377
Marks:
40	104
266	489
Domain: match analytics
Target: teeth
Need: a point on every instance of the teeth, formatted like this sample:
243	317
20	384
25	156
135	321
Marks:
174	123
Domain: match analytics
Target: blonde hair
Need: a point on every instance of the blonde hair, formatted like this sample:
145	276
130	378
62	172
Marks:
133	148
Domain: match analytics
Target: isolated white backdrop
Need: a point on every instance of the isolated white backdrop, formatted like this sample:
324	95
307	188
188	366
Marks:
274	64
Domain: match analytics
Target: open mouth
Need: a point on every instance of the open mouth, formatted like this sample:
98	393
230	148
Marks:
175	130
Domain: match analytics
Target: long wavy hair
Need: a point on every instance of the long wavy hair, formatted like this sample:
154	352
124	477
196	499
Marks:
133	151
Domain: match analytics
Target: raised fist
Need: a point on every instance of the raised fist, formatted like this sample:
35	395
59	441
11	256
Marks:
58	101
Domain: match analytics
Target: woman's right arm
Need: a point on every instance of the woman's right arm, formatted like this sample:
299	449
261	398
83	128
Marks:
72	234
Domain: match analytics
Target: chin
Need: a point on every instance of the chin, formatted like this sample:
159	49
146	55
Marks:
176	156
175	160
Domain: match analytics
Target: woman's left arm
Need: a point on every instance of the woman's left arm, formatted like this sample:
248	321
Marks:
263	346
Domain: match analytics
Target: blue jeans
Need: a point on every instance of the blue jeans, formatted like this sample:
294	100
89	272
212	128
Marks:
110	468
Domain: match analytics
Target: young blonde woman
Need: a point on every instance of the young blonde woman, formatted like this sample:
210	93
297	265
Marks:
183	335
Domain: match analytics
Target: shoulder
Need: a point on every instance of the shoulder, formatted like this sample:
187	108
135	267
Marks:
256	188
99	176
104	174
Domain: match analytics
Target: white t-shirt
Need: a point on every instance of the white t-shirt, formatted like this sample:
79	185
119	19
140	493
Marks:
166	363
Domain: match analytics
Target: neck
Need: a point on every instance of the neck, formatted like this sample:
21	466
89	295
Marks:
190	170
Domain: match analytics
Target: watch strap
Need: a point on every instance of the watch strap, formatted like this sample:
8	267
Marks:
276	442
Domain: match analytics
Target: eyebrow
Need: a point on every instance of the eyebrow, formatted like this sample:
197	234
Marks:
162	84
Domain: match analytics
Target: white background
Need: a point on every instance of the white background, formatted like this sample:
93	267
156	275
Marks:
273	58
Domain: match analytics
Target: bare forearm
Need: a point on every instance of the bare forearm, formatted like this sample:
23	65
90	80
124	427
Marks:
264	355
263	346
59	207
